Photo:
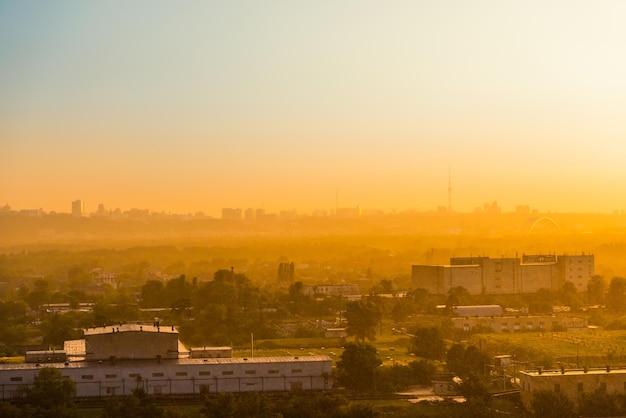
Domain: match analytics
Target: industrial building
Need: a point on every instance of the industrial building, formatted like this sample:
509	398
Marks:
505	275
571	383
537	323
331	290
114	360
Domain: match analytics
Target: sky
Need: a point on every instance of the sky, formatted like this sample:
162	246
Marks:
186	106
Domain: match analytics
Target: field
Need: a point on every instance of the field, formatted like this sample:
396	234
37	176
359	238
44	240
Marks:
591	347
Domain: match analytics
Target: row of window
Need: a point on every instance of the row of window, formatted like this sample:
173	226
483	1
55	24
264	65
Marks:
579	387
178	374
516	326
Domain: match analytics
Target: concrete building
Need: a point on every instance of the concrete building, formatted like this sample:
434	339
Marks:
571	383
131	341
180	376
331	289
78	208
500	324
484	275
121	358
211	352
231	214
478	310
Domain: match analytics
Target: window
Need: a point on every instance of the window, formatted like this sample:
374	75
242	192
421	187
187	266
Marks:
110	376
206	373
227	372
87	377
250	371
157	374
273	371
296	370
16	379
181	373
137	375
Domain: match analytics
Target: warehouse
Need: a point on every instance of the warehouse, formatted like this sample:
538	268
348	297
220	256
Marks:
181	376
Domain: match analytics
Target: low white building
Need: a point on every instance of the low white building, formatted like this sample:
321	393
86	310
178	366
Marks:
181	376
122	358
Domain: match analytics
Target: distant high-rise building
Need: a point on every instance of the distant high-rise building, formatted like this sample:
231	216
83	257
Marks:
101	210
231	214
78	207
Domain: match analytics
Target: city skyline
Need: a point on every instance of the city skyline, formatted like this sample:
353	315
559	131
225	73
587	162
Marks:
195	106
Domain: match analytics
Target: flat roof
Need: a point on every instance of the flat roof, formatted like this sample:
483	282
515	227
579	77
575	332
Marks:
210	348
167	329
165	362
574	372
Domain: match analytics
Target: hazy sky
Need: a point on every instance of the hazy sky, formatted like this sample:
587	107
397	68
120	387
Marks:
188	106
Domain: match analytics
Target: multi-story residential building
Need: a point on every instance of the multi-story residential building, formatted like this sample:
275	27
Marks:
78	207
484	275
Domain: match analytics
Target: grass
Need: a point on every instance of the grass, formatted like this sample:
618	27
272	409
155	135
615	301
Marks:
594	348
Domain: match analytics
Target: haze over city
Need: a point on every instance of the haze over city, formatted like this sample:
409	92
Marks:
195	106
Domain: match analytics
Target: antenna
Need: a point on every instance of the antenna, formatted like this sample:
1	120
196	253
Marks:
449	189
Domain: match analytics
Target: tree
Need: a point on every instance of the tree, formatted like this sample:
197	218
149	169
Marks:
548	404
465	361
458	296
139	405
616	294
51	394
362	317
474	389
152	294
427	342
601	403
242	405
596	289
357	366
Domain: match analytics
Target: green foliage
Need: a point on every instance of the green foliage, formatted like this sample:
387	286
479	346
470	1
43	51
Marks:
596	290
616	294
363	317
541	302
458	296
8	410
357	368
400	377
427	342
602	404
138	405
549	404
51	394
293	405
224	405
474	388
465	361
